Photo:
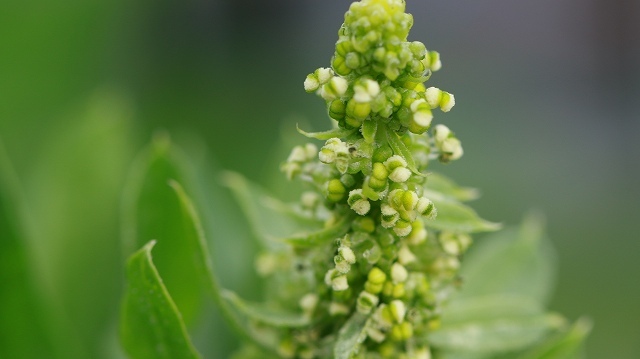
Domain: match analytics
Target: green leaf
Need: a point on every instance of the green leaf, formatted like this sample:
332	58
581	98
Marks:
151	325
23	331
567	345
456	217
512	262
490	306
252	352
154	211
265	314
448	188
369	129
325	135
350	336
495	334
399	148
268	217
335	231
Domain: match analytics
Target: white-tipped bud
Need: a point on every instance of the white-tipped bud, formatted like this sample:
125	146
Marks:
375	334
394	162
339	283
433	96
447	102
397	310
426	207
358	202
402	228
328	277
398	273
310	151
440	133
389	216
405	256
366	302
297	155
324	74
310	200
451	149
342	266
417	236
326	155
311	83
400	174
347	254
335	88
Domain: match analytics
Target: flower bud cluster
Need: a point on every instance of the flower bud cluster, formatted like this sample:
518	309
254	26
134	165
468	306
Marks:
370	170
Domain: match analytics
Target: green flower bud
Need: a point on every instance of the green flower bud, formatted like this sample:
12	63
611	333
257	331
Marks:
447	102
432	61
333	89
339	283
335	190
400	174
373	288
337	110
402	228
366	302
342	265
336	308
376	276
358	202
426	208
389	216
364	224
339	65
358	110
311	83
418	233
347	254
397	310
352	60
450	150
409	200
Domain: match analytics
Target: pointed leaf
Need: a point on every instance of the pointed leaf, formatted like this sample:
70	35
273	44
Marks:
399	148
325	135
369	129
350	336
151	326
511	262
495	335
154	211
22	323
456	217
265	213
564	346
266	315
333	232
448	188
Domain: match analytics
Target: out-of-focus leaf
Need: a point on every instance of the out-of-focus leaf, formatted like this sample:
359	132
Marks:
456	217
23	331
252	352
151	325
511	262
336	230
325	135
266	216
154	211
350	336
567	345
495	335
490	306
448	188
73	192
266	315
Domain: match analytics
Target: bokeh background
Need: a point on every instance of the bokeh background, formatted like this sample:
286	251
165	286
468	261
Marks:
547	108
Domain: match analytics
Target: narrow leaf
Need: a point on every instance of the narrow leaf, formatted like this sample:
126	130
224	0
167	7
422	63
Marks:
448	188
495	335
151	325
264	314
267	216
22	324
350	336
456	217
511	262
325	135
154	211
369	129
334	231
564	346
399	148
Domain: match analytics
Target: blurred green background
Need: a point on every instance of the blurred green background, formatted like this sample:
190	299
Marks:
546	91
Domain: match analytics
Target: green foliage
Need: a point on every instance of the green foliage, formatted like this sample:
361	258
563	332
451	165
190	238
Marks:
151	326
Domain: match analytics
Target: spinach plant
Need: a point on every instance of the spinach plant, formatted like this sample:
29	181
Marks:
372	261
